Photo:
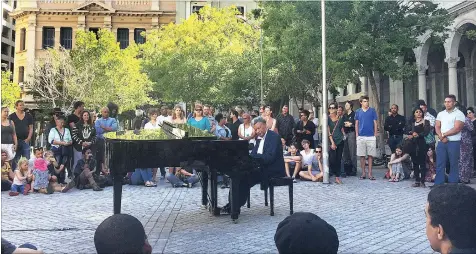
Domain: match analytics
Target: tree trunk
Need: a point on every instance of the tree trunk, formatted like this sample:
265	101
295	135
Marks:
380	120
302	99
296	102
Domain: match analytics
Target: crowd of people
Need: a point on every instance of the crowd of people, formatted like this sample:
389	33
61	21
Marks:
75	144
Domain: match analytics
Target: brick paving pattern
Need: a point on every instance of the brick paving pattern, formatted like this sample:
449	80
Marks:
369	216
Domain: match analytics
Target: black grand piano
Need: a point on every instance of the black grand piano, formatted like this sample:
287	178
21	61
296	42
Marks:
185	146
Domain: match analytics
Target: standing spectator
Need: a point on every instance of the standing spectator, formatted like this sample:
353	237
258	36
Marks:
416	130
450	218
466	159
198	120
51	124
208	115
84	136
315	121
7	173
270	121
23	123
305	129
449	124
472	117
60	140
246	131
395	125
366	134
350	146
240	113
336	141
285	124
154	122
261	111
103	125
222	132
427	114
234	124
419	103
163	115
75	116
178	116
9	136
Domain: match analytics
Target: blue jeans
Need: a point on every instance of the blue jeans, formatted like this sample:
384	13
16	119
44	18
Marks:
23	150
141	175
394	141
18	188
176	182
444	153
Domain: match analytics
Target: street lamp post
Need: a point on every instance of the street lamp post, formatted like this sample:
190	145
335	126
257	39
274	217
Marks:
325	140
261	60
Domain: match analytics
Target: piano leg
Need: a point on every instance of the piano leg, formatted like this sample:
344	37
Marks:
213	193
204	183
235	197
117	179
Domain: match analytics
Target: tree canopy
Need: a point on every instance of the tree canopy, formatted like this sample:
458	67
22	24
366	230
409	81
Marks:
10	91
211	57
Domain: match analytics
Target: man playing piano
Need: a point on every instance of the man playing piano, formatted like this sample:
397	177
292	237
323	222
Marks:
269	152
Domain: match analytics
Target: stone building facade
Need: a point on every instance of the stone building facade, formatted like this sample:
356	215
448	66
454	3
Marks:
8	35
187	7
42	24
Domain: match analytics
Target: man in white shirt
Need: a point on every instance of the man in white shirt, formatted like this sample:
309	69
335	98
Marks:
163	115
448	126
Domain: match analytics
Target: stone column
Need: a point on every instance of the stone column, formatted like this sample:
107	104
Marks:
57	37
341	91
131	36
107	23
30	46
155	5
453	76
81	22
363	81
422	82
155	23
469	86
350	88
396	94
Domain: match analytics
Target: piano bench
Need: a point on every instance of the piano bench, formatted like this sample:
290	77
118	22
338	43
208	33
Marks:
275	182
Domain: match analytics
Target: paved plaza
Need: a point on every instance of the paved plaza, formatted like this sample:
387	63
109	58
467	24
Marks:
369	216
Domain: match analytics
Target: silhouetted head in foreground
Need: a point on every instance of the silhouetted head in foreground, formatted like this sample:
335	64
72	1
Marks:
451	218
121	233
305	233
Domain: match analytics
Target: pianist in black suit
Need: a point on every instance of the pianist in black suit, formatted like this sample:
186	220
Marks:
268	151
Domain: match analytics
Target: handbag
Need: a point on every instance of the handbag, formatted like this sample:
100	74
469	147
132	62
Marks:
430	138
60	150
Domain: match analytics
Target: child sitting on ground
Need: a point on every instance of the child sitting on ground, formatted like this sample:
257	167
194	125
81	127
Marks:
285	147
395	166
7	173
42	176
430	165
21	176
314	170
292	160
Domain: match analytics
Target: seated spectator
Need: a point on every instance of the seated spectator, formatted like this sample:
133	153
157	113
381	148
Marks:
83	173
9	248
121	233
20	178
54	168
430	165
312	165
292	160
38	152
285	147
182	178
41	182
395	166
451	218
142	176
7	173
306	233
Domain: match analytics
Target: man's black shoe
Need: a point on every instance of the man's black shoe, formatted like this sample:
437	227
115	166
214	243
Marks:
225	210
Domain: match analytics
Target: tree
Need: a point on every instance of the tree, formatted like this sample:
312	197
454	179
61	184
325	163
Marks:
374	34
10	91
211	57
95	71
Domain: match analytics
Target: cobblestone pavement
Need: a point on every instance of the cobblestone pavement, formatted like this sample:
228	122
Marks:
369	216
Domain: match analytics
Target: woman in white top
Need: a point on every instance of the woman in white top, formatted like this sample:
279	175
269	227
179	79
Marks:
153	123
178	116
245	130
270	121
61	141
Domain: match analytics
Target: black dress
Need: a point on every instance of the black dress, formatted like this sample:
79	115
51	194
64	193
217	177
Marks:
417	147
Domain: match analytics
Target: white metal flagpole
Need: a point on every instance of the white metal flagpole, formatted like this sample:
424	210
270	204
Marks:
325	138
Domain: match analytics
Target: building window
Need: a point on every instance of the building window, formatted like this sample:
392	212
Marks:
12	53
123	37
48	37
22	39
138	38
241	9
5	49
95	30
6	32
66	37
21	74
196	9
